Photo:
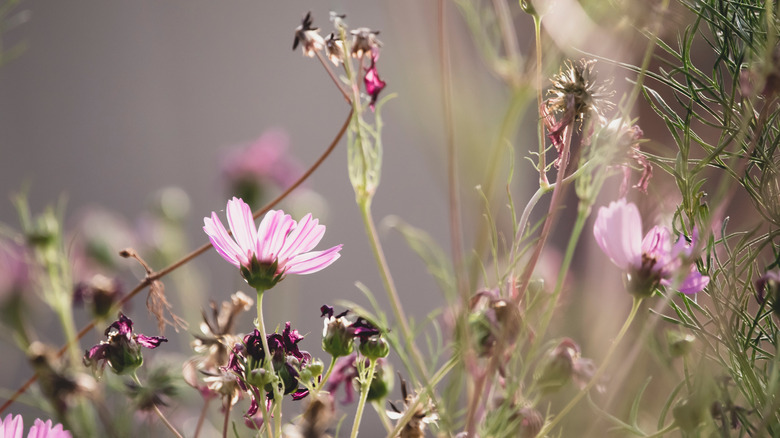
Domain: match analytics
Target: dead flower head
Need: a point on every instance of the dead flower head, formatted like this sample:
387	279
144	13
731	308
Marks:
422	415
577	80
308	37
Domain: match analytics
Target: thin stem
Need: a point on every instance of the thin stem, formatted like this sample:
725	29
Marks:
227	421
184	260
539	101
387	280
325	378
158	411
552	212
599	372
202	417
456	231
260	324
333	77
364	386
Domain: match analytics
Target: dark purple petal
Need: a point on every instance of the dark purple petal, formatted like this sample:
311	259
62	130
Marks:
326	310
124	326
363	329
291	339
150	341
373	83
98	352
254	345
299	394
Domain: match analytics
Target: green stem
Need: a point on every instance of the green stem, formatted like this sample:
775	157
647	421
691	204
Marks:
260	324
364	386
325	378
387	280
597	375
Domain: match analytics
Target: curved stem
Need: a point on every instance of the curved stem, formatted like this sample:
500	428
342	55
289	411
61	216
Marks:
186	259
599	372
364	386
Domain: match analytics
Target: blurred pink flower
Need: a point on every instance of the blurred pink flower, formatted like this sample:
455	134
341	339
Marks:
374	85
12	427
279	246
649	261
264	160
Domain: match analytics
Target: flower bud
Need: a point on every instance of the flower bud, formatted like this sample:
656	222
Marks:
688	415
558	367
337	337
679	344
383	380
374	347
259	377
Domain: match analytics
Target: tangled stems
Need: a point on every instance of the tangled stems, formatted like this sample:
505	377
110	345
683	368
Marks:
599	372
364	386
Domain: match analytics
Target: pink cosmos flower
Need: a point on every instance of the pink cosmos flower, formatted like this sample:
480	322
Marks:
279	246
649	261
12	427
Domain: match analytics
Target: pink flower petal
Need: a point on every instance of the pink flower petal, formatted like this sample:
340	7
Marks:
223	243
303	238
618	231
311	262
11	427
242	224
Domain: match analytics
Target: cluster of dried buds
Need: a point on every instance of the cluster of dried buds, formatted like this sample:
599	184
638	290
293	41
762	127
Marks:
364	46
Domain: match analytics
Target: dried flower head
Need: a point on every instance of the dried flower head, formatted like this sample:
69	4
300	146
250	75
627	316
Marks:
577	80
364	41
422	416
308	37
334	47
213	347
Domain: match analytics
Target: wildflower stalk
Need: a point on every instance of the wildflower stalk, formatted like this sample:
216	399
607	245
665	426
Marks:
599	372
539	100
226	421
158	411
277	403
364	386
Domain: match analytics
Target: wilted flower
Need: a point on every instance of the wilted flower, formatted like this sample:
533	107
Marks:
265	255
565	363
491	317
308	37
214	346
287	360
371	80
365	41
339	332
13	426
422	416
578	81
334	47
122	350
650	261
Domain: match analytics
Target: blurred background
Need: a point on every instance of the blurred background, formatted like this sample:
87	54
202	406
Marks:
129	109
